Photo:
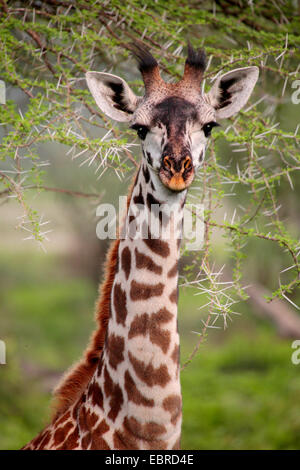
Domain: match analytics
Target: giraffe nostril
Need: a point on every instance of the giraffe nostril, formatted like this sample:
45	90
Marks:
187	164
167	163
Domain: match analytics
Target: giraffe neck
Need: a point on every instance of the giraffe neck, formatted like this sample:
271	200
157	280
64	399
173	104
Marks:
137	380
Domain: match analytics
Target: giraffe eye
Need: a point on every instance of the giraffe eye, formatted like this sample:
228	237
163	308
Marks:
207	128
141	130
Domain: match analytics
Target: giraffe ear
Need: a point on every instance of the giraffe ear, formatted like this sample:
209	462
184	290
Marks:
232	90
113	95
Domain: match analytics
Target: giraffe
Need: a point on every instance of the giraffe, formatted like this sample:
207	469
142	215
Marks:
125	393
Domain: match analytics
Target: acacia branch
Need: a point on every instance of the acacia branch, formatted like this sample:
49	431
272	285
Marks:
57	190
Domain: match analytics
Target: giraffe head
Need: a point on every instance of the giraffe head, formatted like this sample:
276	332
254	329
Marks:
173	120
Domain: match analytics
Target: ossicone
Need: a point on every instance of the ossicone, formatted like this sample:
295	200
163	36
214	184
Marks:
195	65
148	66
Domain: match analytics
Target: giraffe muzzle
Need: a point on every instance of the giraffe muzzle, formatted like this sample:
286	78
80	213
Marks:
177	174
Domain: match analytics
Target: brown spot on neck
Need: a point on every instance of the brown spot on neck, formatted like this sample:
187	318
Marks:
174	296
120	304
115	350
173	271
133	394
173	404
148	432
148	373
114	392
126	261
139	199
158	247
143	261
140	291
95	394
176	354
150	324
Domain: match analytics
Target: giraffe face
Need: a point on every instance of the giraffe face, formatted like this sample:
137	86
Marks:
173	134
173	120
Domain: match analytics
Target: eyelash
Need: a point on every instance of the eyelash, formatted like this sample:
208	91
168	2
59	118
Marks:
141	130
207	128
